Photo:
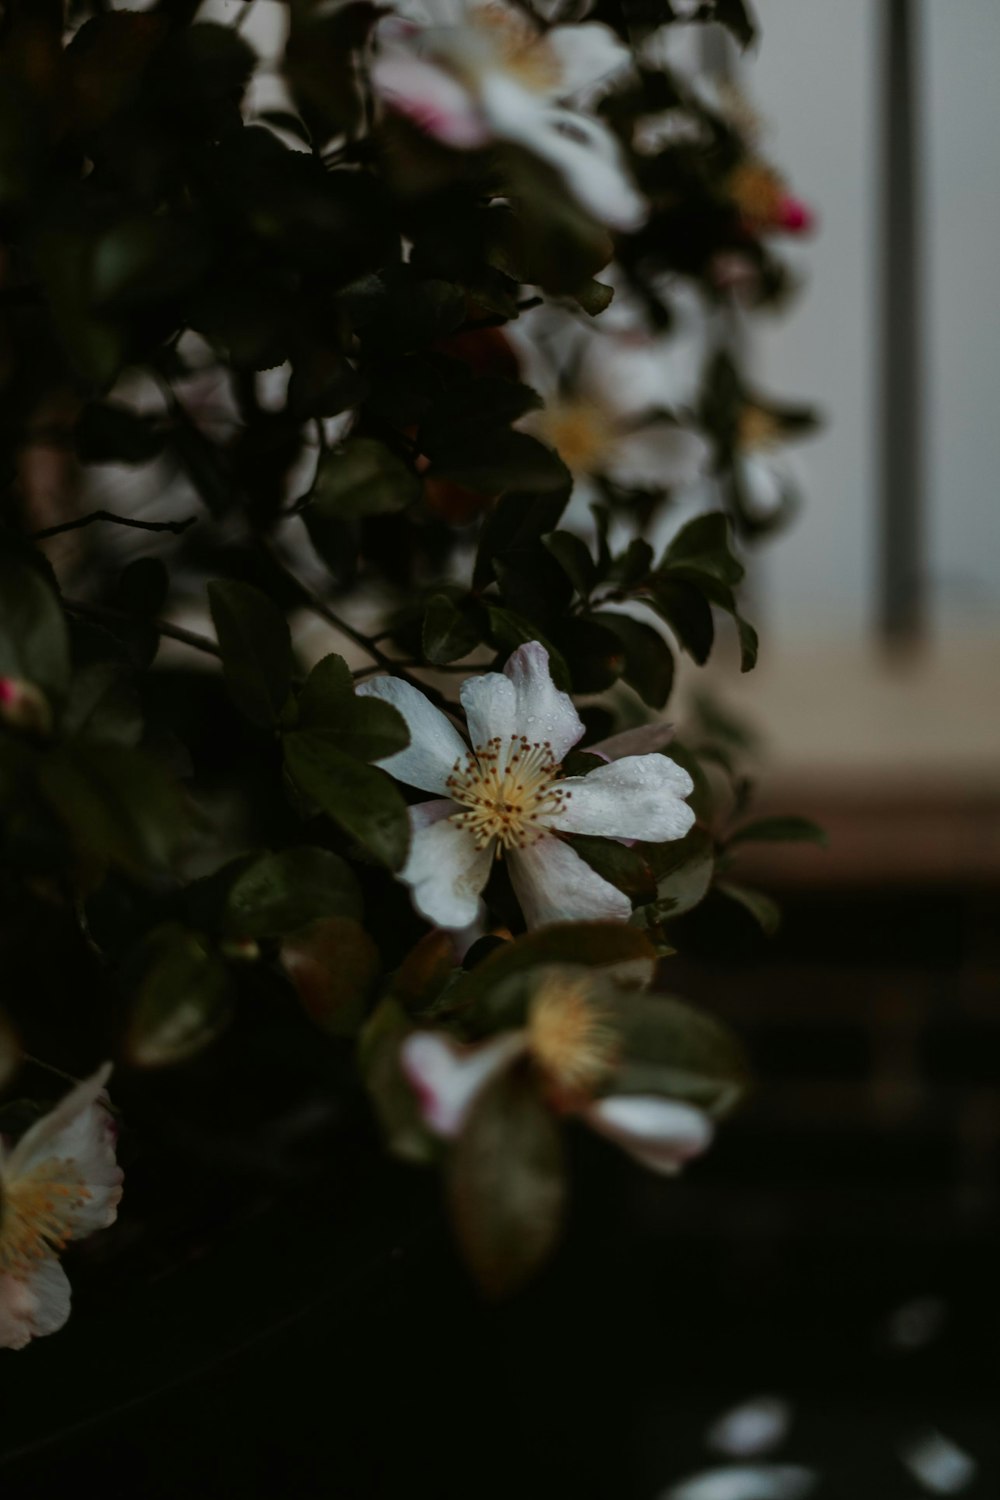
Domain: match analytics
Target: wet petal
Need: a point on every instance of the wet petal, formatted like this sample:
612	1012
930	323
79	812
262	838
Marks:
74	1145
553	884
490	704
435	744
445	871
660	1133
448	1077
541	711
638	797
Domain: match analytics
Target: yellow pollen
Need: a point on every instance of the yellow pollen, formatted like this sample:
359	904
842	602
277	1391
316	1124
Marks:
757	428
569	1035
519	46
39	1212
580	432
757	191
507	792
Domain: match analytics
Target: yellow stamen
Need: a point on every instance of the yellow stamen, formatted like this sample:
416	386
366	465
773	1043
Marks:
580	432
508	792
757	428
569	1035
39	1215
757	191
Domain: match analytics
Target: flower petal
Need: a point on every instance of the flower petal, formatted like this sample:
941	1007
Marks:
660	456
586	55
553	884
541	711
32	1307
432	98
448	1077
435	744
746	1482
445	871
490	704
583	151
660	1133
637	797
642	740
78	1132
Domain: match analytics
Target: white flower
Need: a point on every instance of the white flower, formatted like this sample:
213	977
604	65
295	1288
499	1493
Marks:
661	1134
478	73
616	399
506	797
59	1183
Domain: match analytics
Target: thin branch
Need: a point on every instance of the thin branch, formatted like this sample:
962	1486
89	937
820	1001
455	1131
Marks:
105	615
175	527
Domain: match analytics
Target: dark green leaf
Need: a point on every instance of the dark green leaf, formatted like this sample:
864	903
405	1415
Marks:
670	1048
779	830
34	642
363	478
448	631
502	460
684	869
334	966
280	892
327	697
649	662
256	649
362	800
686	610
702	547
573	556
103	705
765	911
626	868
507	1184
117	804
183	1000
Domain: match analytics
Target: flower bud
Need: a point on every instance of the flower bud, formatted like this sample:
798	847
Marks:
24	706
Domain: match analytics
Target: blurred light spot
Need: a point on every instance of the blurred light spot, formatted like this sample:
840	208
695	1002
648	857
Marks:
746	1482
752	1428
916	1323
937	1463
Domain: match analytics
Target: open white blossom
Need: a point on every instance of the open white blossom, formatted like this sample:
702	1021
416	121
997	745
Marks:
661	1134
470	74
60	1182
507	797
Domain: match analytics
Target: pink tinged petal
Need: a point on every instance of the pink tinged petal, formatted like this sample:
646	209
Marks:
447	1077
642	740
435	744
660	456
661	1134
587	55
431	98
37	1305
553	884
490	704
445	871
75	1143
541	711
638	797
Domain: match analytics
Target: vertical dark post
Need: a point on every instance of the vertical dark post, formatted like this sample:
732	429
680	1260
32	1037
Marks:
901	519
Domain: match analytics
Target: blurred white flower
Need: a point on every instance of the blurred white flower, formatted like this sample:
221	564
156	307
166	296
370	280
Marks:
746	1482
938	1465
60	1182
507	797
751	1429
471	74
569	1041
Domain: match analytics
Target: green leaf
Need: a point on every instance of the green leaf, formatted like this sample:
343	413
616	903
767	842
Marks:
507	1184
371	730
363	478
502	460
620	950
360	799
738	18
118	806
779	830
702	547
394	1099
573	556
684	869
286	890
34	642
686	610
182	1002
594	655
765	911
625	868
594	297
649	662
448	631
334	966
103	705
143	260
327	696
256	650
509	630
670	1048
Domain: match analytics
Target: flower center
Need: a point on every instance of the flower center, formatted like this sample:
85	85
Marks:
507	793
757	428
579	431
518	47
757	191
569	1036
37	1215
